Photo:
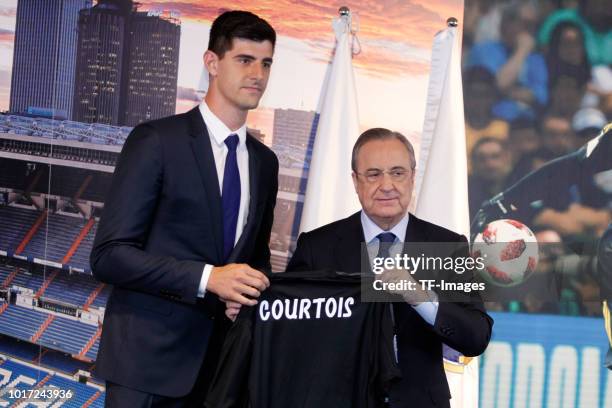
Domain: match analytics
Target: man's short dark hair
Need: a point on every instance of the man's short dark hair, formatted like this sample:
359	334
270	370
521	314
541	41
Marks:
381	134
238	24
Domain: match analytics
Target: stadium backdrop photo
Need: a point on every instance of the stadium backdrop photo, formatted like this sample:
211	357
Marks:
533	84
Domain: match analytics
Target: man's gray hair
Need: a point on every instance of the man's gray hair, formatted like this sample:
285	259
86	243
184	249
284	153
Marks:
381	134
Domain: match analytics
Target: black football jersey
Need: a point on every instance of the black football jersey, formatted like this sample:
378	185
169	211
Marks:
310	343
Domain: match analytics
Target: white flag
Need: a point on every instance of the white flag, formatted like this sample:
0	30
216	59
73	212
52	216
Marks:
330	195
442	193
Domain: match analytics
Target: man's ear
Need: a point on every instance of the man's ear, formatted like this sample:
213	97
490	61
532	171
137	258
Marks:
211	61
355	181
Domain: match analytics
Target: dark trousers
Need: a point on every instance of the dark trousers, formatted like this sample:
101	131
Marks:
119	396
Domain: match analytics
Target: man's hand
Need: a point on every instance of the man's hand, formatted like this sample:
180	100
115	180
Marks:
525	43
231	309
411	296
237	283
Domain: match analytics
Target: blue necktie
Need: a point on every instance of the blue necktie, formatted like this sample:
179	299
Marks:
230	196
386	239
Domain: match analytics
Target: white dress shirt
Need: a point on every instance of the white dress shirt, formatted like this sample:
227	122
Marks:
218	132
427	310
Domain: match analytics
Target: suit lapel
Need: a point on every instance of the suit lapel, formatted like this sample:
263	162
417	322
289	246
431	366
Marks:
414	231
414	236
205	160
252	218
414	244
349	256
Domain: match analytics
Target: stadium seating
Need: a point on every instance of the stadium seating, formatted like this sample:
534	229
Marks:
5	271
93	351
19	175
40	355
20	322
16	222
29	377
63	362
65	181
27	279
67	335
80	259
63	334
279	262
100	300
74	289
18	348
54	237
65	130
51	242
82	392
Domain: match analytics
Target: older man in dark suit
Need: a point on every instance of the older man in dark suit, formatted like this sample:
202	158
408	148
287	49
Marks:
187	222
383	174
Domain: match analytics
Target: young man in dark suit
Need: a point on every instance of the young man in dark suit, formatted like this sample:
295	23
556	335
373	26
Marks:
185	227
383	166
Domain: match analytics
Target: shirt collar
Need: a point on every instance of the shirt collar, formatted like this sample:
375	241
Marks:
218	130
371	230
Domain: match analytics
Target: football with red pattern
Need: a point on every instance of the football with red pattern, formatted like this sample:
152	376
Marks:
509	252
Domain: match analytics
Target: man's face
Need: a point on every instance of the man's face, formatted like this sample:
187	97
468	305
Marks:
480	97
524	141
571	46
558	136
491	162
241	76
384	199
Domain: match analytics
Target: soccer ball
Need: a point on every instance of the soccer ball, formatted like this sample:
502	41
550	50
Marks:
509	252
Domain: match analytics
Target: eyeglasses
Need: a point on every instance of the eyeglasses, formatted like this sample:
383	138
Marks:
375	175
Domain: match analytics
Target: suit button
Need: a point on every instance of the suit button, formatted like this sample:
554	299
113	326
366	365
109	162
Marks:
447	331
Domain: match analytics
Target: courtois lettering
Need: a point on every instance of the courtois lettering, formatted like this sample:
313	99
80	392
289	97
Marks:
300	309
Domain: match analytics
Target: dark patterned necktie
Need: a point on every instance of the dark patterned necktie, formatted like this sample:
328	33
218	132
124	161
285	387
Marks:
386	239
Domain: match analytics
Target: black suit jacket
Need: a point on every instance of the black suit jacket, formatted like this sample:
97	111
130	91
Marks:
161	224
463	325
